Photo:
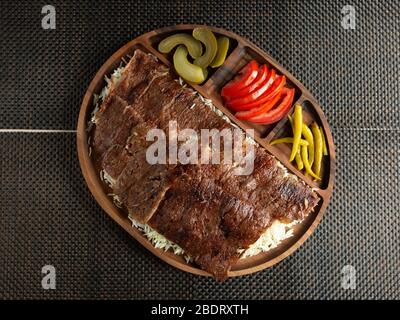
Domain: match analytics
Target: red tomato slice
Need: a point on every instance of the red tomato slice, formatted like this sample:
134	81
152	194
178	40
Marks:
277	113
272	91
261	76
245	115
244	78
255	94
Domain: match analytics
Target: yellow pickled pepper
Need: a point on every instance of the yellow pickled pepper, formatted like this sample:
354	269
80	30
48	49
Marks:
317	148
297	124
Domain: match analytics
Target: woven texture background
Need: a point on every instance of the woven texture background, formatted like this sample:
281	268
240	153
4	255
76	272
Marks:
48	216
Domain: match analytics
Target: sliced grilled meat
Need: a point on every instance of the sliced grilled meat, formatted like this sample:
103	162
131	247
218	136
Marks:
206	209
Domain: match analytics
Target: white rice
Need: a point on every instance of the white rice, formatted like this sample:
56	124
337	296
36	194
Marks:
158	240
270	239
110	181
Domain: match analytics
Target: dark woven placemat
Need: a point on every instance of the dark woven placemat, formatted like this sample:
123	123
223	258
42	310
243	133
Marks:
48	216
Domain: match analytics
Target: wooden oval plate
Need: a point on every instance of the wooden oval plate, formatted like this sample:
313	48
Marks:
240	53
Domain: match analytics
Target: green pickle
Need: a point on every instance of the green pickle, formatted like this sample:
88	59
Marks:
194	46
205	36
223	47
187	70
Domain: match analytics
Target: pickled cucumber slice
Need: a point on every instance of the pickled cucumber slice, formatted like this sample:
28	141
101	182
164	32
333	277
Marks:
223	47
194	47
210	42
187	70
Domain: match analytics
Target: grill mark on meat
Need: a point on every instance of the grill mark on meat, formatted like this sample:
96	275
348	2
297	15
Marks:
175	105
259	217
268	185
149	85
141	189
110	116
134	82
114	122
160	110
200	117
116	157
213	227
115	160
141	186
138	74
193	222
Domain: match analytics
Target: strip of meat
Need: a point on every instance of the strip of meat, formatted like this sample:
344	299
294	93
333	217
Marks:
138	76
112	125
271	186
140	186
208	223
109	117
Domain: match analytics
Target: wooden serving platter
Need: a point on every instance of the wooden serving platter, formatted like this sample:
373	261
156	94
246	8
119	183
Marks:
240	53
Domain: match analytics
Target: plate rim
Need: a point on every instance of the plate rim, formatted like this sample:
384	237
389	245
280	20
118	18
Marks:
96	189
